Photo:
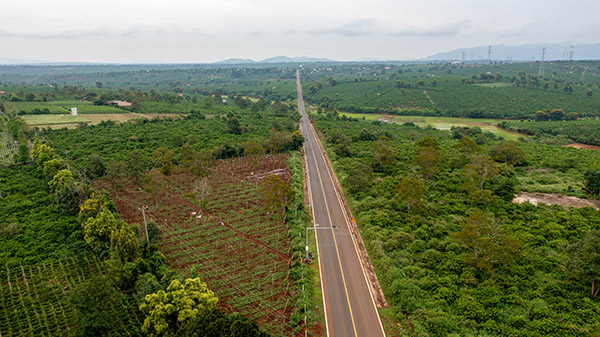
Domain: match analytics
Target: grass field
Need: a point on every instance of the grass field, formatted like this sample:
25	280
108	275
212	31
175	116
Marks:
53	119
494	85
70	122
442	123
61	107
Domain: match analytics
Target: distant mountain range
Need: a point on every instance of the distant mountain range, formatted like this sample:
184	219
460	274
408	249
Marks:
527	52
276	59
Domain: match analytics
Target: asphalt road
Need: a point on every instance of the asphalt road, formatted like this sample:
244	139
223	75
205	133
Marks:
349	306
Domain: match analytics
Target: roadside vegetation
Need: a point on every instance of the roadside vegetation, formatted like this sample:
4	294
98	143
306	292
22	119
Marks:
454	255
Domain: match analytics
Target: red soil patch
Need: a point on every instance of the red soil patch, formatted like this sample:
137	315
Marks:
246	259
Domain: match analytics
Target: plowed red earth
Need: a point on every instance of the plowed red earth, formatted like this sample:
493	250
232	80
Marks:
245	260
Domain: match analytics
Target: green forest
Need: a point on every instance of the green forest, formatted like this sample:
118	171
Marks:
454	255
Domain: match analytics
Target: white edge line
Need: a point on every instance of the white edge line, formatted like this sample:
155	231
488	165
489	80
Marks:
352	237
312	208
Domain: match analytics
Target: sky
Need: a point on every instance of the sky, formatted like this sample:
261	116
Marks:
179	31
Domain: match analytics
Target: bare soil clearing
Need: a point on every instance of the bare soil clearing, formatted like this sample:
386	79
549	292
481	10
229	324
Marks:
582	146
558	199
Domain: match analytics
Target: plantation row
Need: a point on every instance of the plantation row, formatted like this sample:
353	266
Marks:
34	299
451	96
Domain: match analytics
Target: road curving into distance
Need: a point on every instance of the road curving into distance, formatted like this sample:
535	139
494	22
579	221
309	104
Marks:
349	306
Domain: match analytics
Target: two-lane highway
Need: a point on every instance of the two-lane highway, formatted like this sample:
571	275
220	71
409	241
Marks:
349	306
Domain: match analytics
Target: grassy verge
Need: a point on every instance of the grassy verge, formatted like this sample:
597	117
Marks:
307	298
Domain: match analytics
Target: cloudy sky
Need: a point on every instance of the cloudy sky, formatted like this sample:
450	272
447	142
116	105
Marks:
166	31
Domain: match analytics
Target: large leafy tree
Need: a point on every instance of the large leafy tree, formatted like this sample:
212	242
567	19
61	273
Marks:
115	174
136	166
384	155
411	191
486	242
99	229
276	193
163	160
94	303
584	261
60	180
154	183
124	245
508	152
42	153
51	167
430	161
359	178
477	173
467	146
167	311
592	181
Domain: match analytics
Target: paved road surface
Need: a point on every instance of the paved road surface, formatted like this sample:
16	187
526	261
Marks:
349	306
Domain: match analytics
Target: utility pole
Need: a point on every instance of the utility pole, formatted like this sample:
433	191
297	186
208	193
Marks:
541	72
143	208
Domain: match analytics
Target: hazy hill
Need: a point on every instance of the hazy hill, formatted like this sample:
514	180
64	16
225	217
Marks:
276	59
527	52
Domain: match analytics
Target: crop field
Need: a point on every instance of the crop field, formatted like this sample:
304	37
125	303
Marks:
443	123
34	299
240	250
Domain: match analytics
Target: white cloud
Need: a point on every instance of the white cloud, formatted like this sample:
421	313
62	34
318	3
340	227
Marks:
80	30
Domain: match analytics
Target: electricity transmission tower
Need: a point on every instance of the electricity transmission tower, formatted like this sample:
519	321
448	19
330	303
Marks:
571	53
541	72
490	53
